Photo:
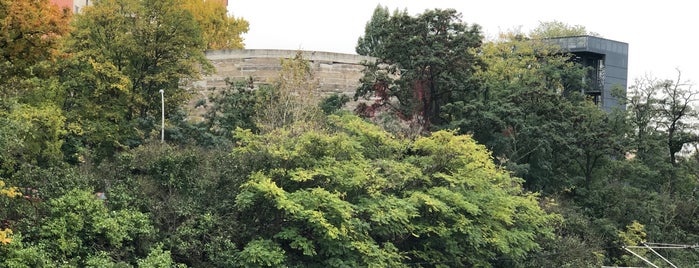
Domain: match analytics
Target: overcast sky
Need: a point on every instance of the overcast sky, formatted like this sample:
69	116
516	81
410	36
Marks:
662	35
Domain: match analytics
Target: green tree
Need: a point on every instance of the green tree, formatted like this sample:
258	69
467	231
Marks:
188	193
42	129
677	113
158	258
375	34
525	108
10	143
423	62
660	111
356	196
230	108
6	233
642	105
597	138
123	52
77	229
333	103
515	62
20	254
219	30
552	29
30	96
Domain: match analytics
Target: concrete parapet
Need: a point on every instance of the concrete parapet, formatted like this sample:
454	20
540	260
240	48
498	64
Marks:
315	56
336	72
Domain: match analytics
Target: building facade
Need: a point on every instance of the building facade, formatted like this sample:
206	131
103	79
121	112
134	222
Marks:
73	5
608	62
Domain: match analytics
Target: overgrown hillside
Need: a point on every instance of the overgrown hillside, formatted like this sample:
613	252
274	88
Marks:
471	152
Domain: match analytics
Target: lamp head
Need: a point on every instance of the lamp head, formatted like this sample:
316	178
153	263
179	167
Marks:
161	91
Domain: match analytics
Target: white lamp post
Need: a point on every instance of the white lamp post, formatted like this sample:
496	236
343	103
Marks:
162	115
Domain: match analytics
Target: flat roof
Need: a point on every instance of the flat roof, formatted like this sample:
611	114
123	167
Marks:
582	43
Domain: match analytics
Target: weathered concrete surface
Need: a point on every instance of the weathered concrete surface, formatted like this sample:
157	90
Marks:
335	72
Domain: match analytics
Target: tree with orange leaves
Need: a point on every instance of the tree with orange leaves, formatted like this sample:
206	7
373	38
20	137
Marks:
29	38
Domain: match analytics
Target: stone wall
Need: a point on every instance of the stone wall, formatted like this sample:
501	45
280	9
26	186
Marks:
336	72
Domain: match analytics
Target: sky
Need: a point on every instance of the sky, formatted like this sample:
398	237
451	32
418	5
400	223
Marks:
662	35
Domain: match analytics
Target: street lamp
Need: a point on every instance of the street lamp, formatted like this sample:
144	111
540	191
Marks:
162	115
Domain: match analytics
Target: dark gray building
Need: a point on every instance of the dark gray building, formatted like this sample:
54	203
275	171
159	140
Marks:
608	61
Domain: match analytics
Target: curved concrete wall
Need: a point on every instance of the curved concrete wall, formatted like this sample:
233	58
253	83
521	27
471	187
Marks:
336	72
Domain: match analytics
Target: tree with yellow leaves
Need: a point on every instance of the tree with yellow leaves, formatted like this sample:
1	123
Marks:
8	191
219	30
6	234
291	102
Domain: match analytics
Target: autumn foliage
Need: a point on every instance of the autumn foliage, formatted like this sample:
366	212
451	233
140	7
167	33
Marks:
29	33
219	30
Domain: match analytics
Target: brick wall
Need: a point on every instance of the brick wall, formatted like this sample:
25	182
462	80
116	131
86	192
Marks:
63	4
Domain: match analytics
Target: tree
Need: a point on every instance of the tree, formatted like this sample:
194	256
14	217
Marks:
78	230
29	36
375	34
515	62
32	122
42	130
187	193
19	254
79	225
597	137
662	107
333	103
525	108
423	62
292	101
6	233
356	196
122	53
10	143
8	191
642	103
677	112
225	110
552	29
219	30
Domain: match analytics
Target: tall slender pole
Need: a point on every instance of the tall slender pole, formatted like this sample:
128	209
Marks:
661	256
640	257
162	115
